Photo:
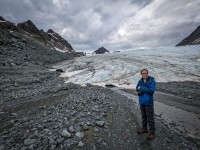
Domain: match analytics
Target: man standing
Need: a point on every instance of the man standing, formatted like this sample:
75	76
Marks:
145	88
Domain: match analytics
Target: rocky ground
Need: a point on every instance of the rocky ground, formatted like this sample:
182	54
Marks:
187	95
186	89
39	111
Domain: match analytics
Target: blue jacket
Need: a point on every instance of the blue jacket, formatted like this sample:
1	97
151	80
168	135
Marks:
148	88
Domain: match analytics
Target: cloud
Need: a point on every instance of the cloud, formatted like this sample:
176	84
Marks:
161	23
115	24
141	3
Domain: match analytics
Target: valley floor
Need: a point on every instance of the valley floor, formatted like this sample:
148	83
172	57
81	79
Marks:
39	111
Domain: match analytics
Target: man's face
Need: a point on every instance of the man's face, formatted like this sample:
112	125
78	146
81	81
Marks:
144	74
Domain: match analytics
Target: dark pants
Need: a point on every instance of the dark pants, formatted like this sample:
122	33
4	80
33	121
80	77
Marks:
148	117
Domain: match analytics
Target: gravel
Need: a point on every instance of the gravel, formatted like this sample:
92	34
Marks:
186	89
90	117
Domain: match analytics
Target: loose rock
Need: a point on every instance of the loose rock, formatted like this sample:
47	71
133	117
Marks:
66	134
100	123
80	144
52	142
29	141
71	129
80	135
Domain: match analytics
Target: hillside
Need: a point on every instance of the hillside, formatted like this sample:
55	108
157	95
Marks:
25	44
192	39
29	30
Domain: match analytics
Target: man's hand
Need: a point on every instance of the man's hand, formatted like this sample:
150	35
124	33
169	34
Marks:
138	87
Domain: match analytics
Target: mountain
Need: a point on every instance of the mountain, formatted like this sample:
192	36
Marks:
101	50
58	41
192	39
29	27
29	30
24	44
6	24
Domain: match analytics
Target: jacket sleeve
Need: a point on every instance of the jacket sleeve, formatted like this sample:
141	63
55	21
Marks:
151	88
138	84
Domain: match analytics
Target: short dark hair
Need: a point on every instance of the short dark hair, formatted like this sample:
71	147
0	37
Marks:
144	70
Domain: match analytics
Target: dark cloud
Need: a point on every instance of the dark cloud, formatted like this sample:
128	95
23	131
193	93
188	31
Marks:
115	24
141	3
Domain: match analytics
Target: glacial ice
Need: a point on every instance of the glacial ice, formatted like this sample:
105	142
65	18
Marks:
123	69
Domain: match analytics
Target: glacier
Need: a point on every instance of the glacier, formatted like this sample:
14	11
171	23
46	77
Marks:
165	64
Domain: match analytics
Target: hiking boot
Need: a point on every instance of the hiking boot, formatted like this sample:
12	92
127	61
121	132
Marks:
151	136
142	130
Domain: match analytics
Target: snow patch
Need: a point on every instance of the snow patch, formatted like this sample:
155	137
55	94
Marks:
60	50
196	41
59	44
26	32
52	34
72	73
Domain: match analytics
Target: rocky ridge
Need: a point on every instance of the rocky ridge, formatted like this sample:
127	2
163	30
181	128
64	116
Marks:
192	39
27	29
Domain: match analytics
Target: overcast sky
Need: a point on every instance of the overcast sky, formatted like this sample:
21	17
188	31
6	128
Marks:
114	24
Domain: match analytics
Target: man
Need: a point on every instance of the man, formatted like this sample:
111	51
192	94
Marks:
145	88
